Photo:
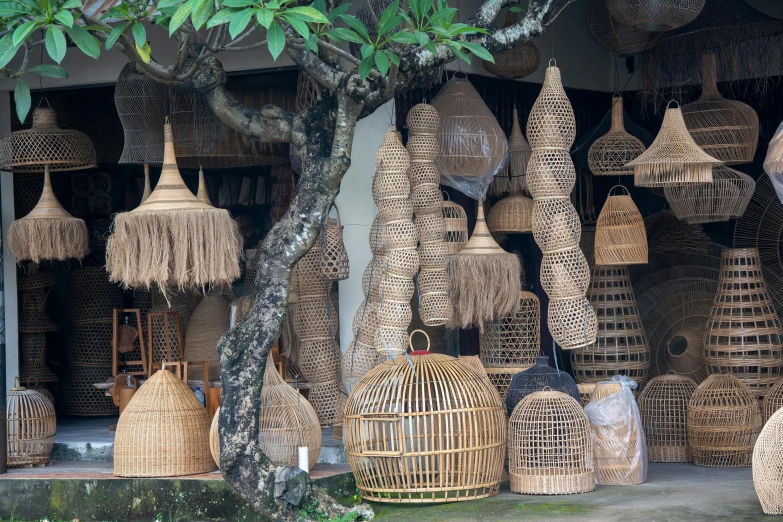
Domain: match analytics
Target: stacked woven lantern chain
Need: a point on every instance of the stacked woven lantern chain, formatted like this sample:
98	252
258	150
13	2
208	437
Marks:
744	335
433	283
34	323
725	198
564	271
663	405
397	234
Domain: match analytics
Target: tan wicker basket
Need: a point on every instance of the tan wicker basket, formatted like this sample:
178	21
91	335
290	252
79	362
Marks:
620	235
514	340
768	466
511	215
31	425
516	62
663	405
334	258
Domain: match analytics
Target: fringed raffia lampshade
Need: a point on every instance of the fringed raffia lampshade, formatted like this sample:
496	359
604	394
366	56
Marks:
609	154
518	61
511	215
48	231
725	198
173	239
725	129
614	36
673	158
620	235
514	178
655	16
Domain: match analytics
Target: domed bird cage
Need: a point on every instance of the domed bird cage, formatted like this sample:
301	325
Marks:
536	379
400	431
768	466
724	421
725	198
31	425
663	405
511	215
550	450
655	16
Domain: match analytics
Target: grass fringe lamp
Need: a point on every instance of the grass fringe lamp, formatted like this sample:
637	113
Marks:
48	232
173	239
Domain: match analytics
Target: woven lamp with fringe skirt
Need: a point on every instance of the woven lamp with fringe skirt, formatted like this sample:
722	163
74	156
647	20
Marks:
516	62
725	198
514	178
511	215
620	236
673	158
609	154
173	239
655	16
725	129
48	232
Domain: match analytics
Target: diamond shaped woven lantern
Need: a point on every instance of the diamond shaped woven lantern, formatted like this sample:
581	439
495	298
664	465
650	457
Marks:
654	16
48	232
609	154
725	198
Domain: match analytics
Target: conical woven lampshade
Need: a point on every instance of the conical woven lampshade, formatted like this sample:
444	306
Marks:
620	236
202	194
514	178
511	215
725	198
673	158
48	231
609	154
174	239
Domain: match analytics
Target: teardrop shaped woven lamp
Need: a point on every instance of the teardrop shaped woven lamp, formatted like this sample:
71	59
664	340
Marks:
609	154
673	158
48	232
173	239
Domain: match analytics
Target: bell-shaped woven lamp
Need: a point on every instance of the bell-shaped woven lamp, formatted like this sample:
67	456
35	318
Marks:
725	198
511	215
673	158
620	235
173	239
655	16
48	232
609	154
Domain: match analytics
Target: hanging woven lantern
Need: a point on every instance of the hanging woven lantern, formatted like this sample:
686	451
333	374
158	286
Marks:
536	379
609	154
193	245
196	129
725	198
773	162
673	158
511	215
335	265
655	16
455	222
31	425
516	62
725	129
614	36
773	400
768	466
48	232
724	421
514	178
663	405
514	340
620	236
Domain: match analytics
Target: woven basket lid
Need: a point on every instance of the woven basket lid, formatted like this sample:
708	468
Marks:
46	144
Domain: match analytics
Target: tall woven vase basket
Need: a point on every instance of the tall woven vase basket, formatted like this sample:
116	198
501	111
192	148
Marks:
663	405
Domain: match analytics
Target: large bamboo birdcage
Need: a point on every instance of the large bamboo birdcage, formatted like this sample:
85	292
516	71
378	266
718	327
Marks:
663	405
31	426
725	198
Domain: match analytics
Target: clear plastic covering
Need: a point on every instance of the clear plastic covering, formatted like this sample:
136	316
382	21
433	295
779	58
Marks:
472	146
619	448
773	163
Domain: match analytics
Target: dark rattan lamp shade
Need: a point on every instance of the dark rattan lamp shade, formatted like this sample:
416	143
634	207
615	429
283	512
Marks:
141	106
655	15
536	379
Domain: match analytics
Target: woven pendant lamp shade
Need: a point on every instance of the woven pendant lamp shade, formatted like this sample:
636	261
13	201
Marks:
163	431
455	223
141	106
609	154
725	198
663	405
31	425
511	215
535	379
725	129
335	265
773	162
173	239
398	432
744	335
620	235
34	322
214	438
196	129
514	178
614	36
513	340
550	450
673	158
621	347
768	466
202	194
723	423
655	16
516	62
773	400
209	321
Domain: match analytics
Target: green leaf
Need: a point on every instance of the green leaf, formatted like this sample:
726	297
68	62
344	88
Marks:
71	4
442	15
430	46
357	25
145	52
163	22
64	17
311	43
201	13
320	5
298	25
22	99
341	34
458	29
8	9
382	62
180	16
265	17
45	69
424	7
167	3
275	40
139	34
516	9
367	50
421	38
221	17
459	54
23	31
365	67
240	21
85	41
337	11
389	19
404	38
7	49
478	51
413	5
238	3
55	43
273	5
114	35
393	57
308	14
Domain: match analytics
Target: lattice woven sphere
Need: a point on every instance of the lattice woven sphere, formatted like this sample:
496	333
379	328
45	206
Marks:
723	423
768	466
654	16
455	222
514	340
511	215
536	379
141	106
472	145
550	450
663	405
673	158
405	445
725	198
620	235
163	431
744	335
773	400
609	154
621	347
31	425
725	129
614	36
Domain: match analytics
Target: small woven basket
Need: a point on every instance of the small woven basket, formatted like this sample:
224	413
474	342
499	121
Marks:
511	215
455	223
334	258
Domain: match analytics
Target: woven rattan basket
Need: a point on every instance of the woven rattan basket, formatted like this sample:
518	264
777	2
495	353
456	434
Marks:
517	62
334	258
514	340
620	236
723	423
214	438
93	296
655	16
209	321
550	450
455	223
768	466
31	426
163	431
511	215
725	198
585	392
609	154
773	400
663	405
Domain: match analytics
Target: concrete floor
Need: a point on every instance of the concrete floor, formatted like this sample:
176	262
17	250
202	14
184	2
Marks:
672	493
